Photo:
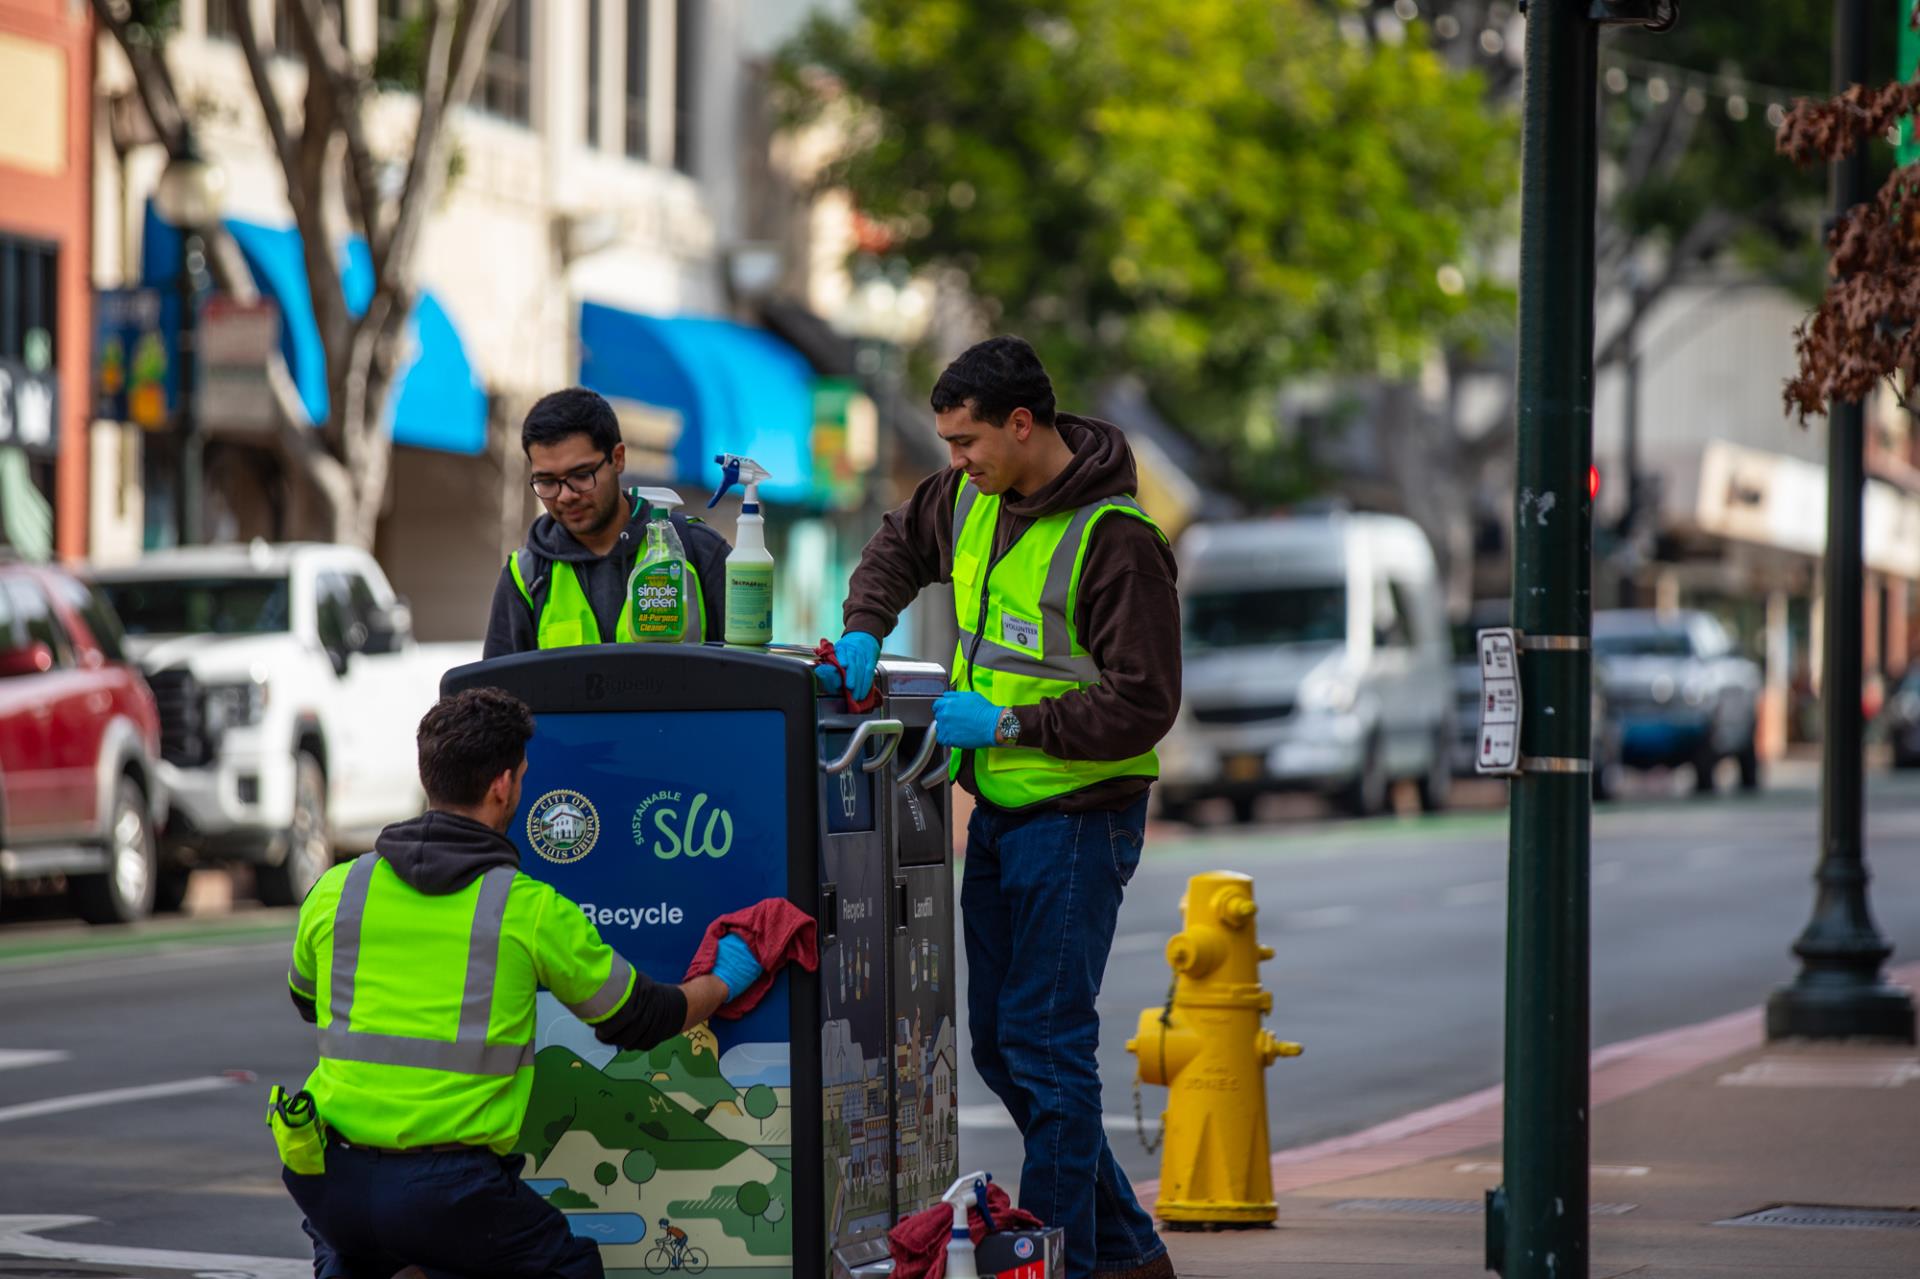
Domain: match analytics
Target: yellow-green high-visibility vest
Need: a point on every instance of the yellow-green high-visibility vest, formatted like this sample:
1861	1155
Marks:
425	1002
1018	644
562	616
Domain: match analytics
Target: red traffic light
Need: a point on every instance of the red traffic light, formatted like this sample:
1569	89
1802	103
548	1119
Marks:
1593	482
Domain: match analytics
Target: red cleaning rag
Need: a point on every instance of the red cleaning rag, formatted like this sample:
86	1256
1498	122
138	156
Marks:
776	931
918	1244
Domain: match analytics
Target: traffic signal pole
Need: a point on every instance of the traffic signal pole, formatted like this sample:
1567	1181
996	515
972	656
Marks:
1537	1224
1840	992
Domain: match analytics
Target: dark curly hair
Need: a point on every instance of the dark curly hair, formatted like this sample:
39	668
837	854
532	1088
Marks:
995	377
574	411
469	739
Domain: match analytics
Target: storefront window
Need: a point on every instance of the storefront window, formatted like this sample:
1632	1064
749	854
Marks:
506	78
636	94
29	393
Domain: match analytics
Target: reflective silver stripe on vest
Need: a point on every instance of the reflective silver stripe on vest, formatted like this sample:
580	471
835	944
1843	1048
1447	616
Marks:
300	985
469	1052
1008	661
604	1000
427	1054
962	508
352	908
1057	595
483	954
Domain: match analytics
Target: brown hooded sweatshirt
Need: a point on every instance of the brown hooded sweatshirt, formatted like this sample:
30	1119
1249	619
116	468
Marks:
1128	614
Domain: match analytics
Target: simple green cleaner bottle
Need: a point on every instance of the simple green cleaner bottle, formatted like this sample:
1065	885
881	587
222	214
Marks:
659	593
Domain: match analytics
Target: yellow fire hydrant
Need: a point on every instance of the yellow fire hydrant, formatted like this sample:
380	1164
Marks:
1208	1047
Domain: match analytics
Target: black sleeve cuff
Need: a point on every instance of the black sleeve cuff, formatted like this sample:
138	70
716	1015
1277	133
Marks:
651	1015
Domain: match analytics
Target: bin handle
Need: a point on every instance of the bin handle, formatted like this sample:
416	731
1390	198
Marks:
935	774
890	729
921	760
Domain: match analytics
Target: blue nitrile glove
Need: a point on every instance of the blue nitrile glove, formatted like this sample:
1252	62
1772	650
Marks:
965	720
859	652
736	966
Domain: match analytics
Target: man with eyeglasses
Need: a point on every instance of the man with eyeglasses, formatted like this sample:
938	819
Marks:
568	584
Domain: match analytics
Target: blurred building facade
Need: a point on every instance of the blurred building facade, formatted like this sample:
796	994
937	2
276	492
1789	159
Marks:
621	215
46	77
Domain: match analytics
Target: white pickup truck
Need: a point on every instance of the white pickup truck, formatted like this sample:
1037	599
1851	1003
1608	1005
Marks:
289	687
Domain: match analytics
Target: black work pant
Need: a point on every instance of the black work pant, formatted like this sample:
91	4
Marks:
456	1214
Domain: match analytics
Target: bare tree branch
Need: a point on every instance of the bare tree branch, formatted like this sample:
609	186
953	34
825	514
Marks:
152	79
326	53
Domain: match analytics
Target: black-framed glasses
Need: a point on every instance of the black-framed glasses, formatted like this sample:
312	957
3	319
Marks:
580	481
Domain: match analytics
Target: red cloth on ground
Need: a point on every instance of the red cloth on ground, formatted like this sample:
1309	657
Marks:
776	931
919	1243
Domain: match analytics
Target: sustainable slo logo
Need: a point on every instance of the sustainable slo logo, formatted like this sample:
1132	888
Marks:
671	826
563	825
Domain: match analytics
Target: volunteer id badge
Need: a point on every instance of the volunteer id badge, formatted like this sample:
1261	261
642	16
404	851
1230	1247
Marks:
1019	632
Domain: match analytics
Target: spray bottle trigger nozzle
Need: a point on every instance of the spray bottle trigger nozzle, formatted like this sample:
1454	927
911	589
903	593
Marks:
729	476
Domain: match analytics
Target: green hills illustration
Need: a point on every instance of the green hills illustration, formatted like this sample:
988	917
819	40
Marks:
623	1113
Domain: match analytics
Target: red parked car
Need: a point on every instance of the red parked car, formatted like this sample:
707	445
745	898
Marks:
79	733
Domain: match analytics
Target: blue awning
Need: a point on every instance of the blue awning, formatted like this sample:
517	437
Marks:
438	401
737	390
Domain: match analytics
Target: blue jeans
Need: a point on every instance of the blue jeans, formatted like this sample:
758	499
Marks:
1039	900
454	1214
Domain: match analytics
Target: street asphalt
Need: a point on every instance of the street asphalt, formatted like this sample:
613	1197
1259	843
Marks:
1389	969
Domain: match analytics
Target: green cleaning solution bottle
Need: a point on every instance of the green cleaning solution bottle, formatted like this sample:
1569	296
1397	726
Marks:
659	590
749	611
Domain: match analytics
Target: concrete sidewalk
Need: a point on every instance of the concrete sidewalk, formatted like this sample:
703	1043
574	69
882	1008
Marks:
1690	1128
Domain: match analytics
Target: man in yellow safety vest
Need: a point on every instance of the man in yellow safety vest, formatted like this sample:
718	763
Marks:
419	962
568	584
1066	676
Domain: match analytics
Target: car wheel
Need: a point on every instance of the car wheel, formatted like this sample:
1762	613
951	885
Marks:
1436	788
1246	809
1367	793
309	855
1704	763
170	889
1750	766
124	892
1176	810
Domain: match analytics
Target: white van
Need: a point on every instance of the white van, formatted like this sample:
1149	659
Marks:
1316	657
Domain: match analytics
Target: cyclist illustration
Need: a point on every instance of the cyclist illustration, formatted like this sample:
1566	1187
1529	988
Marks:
672	1252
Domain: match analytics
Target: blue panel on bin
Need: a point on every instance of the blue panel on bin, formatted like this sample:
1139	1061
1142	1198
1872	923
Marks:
654	823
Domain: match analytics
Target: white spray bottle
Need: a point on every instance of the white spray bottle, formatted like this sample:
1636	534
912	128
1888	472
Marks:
749	603
963	1194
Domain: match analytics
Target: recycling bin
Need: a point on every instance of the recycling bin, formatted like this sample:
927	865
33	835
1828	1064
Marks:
670	784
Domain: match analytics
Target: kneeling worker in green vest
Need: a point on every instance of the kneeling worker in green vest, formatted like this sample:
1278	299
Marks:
1066	676
568	584
419	962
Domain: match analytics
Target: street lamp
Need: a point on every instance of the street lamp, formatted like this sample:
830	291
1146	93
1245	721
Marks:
191	196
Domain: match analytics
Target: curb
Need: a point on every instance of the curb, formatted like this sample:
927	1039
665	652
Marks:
1465	1123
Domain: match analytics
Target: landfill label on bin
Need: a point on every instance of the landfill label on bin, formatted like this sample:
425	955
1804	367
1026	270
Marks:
688	816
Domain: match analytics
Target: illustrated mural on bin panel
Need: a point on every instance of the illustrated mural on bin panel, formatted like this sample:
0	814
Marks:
924	1042
857	1155
681	1158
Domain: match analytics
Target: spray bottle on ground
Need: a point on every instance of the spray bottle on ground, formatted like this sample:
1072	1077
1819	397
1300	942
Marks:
963	1194
749	603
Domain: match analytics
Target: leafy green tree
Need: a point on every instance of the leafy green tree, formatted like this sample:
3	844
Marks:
326	138
606	1174
640	1166
753	1199
1214	195
760	1102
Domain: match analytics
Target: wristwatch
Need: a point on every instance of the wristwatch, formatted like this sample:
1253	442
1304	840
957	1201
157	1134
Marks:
1007	731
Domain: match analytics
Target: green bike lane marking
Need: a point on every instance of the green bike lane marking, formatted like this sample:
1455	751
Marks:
42	947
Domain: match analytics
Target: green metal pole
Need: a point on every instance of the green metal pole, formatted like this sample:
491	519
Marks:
1840	992
1545	1155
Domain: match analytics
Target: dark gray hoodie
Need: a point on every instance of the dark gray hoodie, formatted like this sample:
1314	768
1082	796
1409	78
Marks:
511	627
438	853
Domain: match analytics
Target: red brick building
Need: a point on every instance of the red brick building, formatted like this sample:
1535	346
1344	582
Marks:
46	314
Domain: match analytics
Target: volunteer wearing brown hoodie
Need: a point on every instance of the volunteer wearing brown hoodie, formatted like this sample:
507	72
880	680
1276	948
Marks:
1044	878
